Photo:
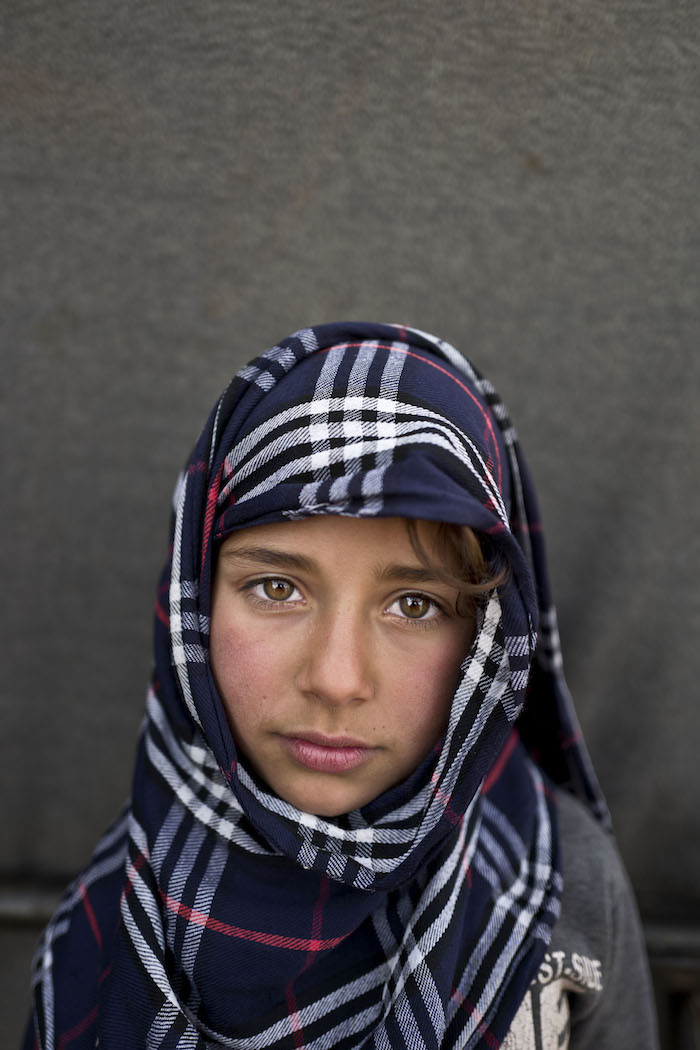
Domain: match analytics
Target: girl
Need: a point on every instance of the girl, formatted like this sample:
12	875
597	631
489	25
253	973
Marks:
362	812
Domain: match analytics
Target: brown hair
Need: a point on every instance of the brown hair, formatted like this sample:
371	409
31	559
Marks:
469	568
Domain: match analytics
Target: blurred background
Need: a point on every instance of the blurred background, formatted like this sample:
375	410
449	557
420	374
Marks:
185	184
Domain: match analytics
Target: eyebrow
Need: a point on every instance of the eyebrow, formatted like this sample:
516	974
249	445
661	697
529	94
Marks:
407	573
288	560
270	556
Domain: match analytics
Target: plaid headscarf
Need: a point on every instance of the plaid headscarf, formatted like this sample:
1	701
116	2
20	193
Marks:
216	914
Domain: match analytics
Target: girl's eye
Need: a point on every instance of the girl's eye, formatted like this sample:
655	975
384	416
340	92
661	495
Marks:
275	589
416	607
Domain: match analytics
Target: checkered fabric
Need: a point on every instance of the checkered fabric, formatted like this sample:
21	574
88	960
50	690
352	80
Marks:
216	914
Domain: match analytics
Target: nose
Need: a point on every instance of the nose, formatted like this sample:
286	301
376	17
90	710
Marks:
336	663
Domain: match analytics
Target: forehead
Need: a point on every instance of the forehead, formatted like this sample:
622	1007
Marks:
328	532
346	540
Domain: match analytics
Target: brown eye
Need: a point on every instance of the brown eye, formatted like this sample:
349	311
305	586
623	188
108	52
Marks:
415	606
278	590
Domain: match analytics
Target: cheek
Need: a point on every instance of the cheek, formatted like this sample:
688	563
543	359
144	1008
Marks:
426	687
243	666
433	689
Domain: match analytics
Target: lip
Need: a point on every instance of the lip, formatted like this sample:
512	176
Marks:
324	754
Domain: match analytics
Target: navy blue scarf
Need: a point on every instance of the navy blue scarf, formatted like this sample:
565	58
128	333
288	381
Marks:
214	913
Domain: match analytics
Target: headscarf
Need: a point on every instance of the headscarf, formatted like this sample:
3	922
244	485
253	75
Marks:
216	914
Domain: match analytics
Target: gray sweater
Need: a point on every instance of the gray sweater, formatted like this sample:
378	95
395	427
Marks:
592	991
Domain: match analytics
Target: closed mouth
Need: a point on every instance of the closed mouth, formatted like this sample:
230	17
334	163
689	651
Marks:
324	754
322	740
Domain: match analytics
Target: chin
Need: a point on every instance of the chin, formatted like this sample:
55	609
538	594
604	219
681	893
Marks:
324	801
323	806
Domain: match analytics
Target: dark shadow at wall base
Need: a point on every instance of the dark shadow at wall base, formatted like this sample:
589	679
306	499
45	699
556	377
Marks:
674	954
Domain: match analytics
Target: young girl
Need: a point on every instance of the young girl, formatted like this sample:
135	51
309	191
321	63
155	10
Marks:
362	812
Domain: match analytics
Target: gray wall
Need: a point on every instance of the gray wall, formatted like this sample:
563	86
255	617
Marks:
182	185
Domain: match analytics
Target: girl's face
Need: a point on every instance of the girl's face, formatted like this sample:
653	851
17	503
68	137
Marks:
336	654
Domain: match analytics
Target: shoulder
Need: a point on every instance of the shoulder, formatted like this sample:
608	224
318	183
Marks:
595	881
592	989
599	917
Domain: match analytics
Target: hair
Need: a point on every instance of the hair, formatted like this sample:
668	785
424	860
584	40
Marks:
462	561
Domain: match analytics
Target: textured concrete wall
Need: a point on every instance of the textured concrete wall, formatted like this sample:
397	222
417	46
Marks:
182	185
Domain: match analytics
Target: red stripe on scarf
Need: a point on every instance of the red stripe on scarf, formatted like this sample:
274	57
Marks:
274	940
78	1029
212	497
317	920
294	1019
469	1008
133	869
445	798
92	918
569	741
500	763
316	925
